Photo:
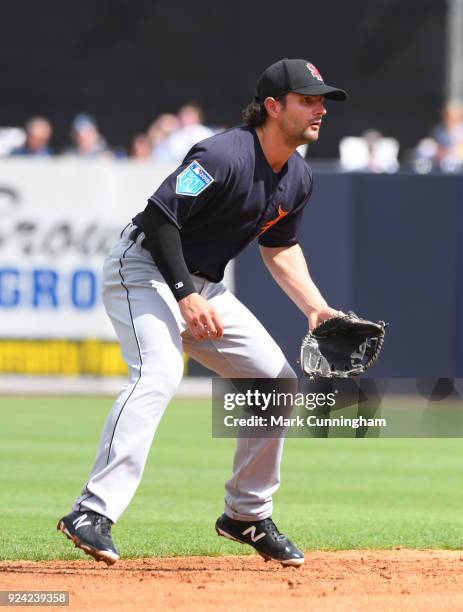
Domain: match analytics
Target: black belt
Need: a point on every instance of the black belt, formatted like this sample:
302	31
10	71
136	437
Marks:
135	233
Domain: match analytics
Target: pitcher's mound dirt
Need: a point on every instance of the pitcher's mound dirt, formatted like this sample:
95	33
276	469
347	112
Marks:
348	580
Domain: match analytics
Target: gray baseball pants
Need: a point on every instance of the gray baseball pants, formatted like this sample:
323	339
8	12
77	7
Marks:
153	337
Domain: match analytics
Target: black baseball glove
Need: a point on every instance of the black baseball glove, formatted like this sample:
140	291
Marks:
341	347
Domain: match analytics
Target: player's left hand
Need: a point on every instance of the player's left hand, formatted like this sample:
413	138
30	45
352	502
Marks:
322	314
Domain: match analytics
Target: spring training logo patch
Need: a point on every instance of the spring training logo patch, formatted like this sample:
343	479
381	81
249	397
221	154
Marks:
193	180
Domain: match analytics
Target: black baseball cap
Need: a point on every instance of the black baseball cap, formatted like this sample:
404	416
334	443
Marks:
297	76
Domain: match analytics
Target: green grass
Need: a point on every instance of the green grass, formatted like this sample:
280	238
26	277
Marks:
335	493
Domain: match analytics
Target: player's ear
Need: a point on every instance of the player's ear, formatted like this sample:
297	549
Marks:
272	107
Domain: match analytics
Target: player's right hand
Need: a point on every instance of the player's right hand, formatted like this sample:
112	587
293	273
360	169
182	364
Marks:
202	319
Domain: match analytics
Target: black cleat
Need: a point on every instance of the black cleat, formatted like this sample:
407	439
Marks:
263	536
90	532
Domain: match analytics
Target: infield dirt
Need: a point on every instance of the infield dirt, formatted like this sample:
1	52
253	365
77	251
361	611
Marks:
335	581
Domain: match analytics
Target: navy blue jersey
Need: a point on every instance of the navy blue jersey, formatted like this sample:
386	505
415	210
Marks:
225	195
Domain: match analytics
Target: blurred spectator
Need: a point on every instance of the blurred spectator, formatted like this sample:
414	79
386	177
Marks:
140	148
87	140
425	154
158	133
371	152
444	148
11	138
449	133
38	135
191	131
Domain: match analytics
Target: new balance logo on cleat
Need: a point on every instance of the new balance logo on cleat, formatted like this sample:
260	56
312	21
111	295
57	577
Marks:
252	531
91	532
80	521
275	547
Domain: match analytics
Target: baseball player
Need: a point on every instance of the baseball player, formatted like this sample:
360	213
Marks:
164	294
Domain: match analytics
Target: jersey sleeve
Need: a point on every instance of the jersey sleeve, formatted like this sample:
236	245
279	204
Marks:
285	232
202	174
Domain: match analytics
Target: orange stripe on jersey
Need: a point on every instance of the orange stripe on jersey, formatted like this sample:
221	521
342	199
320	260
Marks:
281	213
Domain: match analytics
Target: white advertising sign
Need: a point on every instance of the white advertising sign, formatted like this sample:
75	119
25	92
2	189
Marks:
58	218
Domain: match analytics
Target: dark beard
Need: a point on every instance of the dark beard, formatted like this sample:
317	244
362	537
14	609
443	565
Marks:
297	141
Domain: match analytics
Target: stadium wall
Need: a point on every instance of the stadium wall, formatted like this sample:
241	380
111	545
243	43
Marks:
386	246
126	62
